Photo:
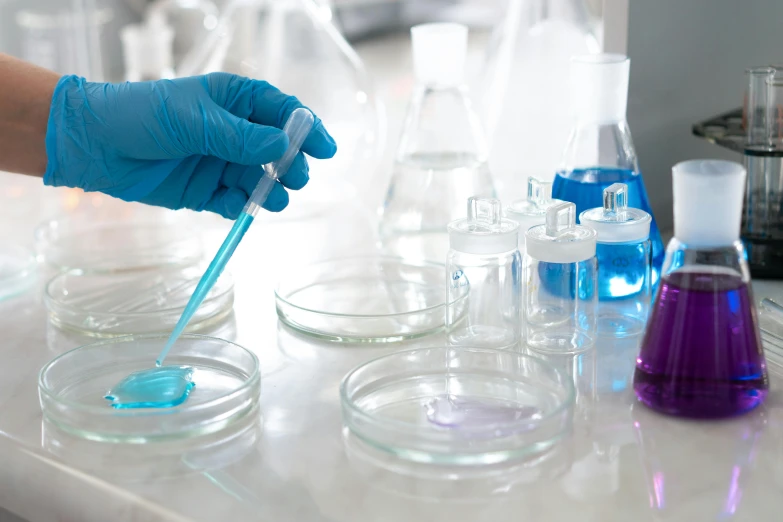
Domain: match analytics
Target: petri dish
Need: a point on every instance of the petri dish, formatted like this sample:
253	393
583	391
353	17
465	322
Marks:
134	301
387	403
89	241
71	388
18	269
364	299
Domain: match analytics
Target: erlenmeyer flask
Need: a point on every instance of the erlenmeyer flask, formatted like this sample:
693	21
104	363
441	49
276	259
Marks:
600	151
524	100
293	45
441	159
701	355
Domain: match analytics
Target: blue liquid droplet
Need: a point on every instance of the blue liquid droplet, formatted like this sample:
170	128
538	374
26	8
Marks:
160	387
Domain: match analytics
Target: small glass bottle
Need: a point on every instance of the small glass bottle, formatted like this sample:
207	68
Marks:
600	151
531	211
701	354
483	267
560	271
624	253
442	157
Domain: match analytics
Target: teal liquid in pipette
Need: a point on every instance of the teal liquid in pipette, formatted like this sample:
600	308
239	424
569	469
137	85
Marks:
169	386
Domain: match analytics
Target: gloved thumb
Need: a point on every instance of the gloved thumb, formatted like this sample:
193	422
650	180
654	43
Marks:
237	140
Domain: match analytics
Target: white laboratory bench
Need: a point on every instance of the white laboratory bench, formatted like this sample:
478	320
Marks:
293	463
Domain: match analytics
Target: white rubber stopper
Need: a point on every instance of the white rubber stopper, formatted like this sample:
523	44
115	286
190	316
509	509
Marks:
599	87
708	198
439	52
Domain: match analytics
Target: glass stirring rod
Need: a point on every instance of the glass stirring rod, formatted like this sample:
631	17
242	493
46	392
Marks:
297	127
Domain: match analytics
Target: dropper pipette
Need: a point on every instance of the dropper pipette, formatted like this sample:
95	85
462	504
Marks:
297	127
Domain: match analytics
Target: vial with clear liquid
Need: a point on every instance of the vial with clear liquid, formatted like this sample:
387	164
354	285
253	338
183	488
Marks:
624	253
701	354
560	271
484	271
600	151
441	158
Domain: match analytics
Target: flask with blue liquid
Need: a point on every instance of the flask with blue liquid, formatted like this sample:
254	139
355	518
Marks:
624	253
600	151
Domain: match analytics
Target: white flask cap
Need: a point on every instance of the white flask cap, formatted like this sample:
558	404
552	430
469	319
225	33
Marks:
531	211
708	197
599	87
439	52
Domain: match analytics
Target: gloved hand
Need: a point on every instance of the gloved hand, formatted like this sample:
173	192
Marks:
195	143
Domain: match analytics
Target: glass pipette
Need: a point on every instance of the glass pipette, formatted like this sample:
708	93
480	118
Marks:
297	128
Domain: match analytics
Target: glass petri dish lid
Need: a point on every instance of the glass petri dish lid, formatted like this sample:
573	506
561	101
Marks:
458	406
18	269
134	301
93	242
72	387
364	299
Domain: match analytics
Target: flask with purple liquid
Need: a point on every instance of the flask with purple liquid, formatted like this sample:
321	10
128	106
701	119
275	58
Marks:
701	355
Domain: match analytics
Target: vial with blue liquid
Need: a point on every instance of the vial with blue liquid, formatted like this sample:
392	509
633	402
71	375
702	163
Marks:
624	253
600	150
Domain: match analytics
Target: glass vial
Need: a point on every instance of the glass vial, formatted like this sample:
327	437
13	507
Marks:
441	159
531	211
600	151
624	253
484	270
701	354
560	271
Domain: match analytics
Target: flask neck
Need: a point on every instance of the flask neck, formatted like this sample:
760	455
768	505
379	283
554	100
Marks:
441	121
599	145
729	260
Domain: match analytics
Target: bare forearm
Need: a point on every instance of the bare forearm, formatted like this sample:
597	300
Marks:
25	96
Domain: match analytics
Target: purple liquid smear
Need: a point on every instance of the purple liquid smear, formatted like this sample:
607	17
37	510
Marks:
450	411
701	355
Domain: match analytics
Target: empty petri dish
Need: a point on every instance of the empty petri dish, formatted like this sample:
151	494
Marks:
364	299
95	242
72	387
18	269
136	301
458	406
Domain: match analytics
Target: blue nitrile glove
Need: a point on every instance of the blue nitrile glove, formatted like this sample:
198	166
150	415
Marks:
195	143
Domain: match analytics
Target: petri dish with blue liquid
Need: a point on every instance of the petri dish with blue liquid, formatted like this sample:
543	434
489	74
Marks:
207	385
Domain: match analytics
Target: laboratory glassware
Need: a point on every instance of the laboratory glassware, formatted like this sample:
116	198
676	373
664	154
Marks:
701	355
295	46
484	277
523	98
147	49
771	324
531	211
756	132
133	301
364	299
560	271
18	270
600	151
441	159
71	389
112	237
63	36
624	254
297	127
520	405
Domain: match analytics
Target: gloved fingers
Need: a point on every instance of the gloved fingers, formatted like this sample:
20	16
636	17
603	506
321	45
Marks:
272	107
298	173
227	201
237	140
277	199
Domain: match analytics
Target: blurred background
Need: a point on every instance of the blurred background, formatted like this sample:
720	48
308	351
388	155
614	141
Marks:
350	61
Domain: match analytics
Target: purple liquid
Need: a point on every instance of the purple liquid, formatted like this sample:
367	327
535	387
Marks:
701	355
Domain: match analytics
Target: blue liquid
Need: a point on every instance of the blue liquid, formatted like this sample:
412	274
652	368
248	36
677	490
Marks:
622	269
161	387
572	280
585	188
209	279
